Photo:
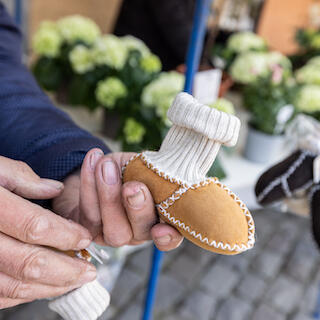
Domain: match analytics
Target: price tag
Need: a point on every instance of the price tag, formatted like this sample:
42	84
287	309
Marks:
206	85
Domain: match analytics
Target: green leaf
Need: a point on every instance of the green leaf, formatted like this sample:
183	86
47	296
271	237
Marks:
48	73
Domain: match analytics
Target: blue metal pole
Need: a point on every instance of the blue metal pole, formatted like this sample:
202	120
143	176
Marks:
193	59
18	12
196	41
152	285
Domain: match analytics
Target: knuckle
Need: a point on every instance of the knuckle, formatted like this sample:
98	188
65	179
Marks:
22	166
16	289
33	265
36	228
112	199
116	240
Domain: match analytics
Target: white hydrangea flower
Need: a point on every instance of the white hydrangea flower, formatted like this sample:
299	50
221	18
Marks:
47	40
308	99
109	50
78	28
81	59
249	66
315	61
133	43
161	92
309	74
275	57
246	41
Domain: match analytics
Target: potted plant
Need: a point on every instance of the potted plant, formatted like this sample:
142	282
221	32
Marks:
119	75
223	55
267	90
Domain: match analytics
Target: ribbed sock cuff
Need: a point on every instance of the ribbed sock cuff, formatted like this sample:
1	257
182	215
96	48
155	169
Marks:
85	303
192	143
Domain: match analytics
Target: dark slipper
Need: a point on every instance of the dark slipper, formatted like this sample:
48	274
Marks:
293	174
315	212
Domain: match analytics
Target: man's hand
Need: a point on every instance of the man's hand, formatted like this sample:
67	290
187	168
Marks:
116	214
28	269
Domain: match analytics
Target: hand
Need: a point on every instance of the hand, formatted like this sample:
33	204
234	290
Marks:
29	270
116	214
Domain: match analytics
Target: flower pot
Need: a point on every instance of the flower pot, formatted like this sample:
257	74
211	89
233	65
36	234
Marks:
111	124
226	84
261	147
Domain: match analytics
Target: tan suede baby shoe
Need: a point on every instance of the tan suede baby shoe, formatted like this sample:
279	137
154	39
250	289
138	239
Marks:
202	209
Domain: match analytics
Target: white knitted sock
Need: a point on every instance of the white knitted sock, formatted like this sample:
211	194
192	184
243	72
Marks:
85	303
192	143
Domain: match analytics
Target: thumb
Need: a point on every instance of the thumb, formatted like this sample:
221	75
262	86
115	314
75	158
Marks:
18	177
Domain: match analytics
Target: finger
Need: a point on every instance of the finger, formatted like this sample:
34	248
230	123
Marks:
140	209
42	265
90	216
16	289
8	303
18	177
165	237
30	223
116	227
121	158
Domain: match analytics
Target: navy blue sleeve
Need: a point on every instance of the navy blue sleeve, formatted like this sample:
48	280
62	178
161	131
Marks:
31	128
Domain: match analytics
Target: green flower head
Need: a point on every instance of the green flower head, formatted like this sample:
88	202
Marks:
133	131
47	40
161	92
246	41
308	74
109	50
224	105
151	63
109	91
133	43
78	28
81	59
315	41
308	99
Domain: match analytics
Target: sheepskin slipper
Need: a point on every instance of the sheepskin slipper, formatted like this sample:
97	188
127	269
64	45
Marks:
284	179
202	209
85	303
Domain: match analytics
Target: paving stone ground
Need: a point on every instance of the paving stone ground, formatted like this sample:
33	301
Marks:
277	280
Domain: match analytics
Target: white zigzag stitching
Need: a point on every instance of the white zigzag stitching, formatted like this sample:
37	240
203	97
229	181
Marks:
219	245
285	176
184	188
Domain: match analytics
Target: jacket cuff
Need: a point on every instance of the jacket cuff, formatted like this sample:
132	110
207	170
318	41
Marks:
59	160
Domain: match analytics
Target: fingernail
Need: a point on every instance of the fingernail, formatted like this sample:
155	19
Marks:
84	243
136	200
163	241
94	159
53	184
88	276
110	172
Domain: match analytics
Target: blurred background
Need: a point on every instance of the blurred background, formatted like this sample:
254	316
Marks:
115	67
